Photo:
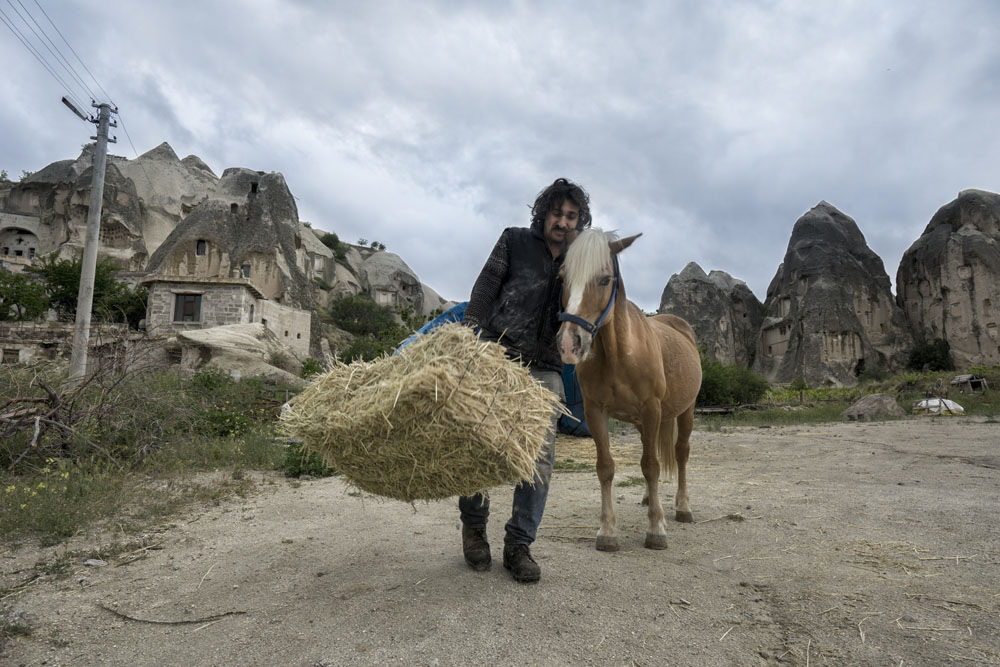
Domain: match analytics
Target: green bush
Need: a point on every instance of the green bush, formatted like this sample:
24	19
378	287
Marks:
934	356
114	301
360	315
21	299
729	385
311	367
299	461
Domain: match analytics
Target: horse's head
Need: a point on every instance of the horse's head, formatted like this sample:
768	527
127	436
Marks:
590	285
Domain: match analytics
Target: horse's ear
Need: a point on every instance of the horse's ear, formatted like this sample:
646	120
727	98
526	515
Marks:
620	244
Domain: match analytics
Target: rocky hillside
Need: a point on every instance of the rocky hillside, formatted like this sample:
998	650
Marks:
948	281
828	315
157	208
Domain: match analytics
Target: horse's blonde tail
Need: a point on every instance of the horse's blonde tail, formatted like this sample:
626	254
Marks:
668	444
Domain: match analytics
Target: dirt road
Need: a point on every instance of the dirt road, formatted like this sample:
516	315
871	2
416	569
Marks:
847	544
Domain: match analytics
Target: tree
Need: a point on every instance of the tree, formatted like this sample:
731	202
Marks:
362	242
935	356
3	175
25	174
799	385
21	298
360	315
728	385
114	301
330	240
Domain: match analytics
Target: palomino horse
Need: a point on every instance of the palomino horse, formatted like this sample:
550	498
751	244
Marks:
643	370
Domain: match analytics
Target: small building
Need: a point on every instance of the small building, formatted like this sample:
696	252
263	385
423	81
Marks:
182	303
970	383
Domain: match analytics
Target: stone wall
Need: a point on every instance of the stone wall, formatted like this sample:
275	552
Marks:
30	342
290	325
223	301
226	301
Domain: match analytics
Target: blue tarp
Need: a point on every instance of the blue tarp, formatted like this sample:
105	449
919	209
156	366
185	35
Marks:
574	425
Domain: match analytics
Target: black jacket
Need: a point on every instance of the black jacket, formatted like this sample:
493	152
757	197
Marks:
516	299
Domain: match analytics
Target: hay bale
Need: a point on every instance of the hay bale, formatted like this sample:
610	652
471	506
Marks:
449	415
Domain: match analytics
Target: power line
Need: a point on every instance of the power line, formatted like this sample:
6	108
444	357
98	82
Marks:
129	137
42	41
57	53
24	41
106	95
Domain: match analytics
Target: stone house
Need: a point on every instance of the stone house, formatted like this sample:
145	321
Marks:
182	303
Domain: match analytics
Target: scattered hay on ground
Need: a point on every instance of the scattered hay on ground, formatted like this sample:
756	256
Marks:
449	415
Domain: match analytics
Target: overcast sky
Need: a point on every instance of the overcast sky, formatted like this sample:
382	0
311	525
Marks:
710	127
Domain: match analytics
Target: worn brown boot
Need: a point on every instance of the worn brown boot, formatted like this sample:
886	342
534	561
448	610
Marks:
517	558
475	548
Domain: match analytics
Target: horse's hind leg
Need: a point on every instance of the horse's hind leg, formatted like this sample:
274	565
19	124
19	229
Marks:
656	535
685	423
607	536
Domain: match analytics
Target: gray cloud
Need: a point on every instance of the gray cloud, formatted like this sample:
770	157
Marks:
710	127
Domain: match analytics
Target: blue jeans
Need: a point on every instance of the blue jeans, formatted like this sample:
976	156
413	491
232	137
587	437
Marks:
529	500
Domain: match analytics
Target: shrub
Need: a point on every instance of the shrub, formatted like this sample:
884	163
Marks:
934	356
727	385
360	315
311	367
300	462
114	301
283	361
21	298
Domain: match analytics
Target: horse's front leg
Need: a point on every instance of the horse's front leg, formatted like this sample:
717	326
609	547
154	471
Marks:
656	535
597	421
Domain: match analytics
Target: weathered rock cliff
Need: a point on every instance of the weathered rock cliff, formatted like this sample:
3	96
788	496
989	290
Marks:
949	279
723	311
829	311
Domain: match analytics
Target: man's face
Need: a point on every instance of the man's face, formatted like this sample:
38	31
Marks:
560	223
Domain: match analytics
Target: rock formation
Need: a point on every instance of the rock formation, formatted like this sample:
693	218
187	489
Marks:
724	312
829	311
389	281
56	201
873	407
249	226
169	188
949	279
243	348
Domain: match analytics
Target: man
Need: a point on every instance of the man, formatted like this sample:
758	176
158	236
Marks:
515	302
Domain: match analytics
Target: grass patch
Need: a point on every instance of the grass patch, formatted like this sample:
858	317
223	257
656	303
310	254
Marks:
632	481
570	465
783	416
130	448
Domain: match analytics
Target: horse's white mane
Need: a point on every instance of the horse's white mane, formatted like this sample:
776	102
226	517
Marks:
587	256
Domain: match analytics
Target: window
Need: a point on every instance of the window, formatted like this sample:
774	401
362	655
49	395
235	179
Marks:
18	253
233	208
200	247
187	308
251	313
245	270
10	356
6	251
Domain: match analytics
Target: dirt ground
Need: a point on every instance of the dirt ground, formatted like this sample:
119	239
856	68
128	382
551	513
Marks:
846	544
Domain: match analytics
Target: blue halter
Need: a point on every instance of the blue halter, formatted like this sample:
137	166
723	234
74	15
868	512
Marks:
592	328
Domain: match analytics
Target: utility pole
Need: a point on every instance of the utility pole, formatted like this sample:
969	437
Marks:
85	297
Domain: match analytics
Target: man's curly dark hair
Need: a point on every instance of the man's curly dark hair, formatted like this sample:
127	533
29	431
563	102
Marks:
553	197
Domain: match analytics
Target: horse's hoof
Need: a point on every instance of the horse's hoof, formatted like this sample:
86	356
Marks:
656	541
684	516
606	543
